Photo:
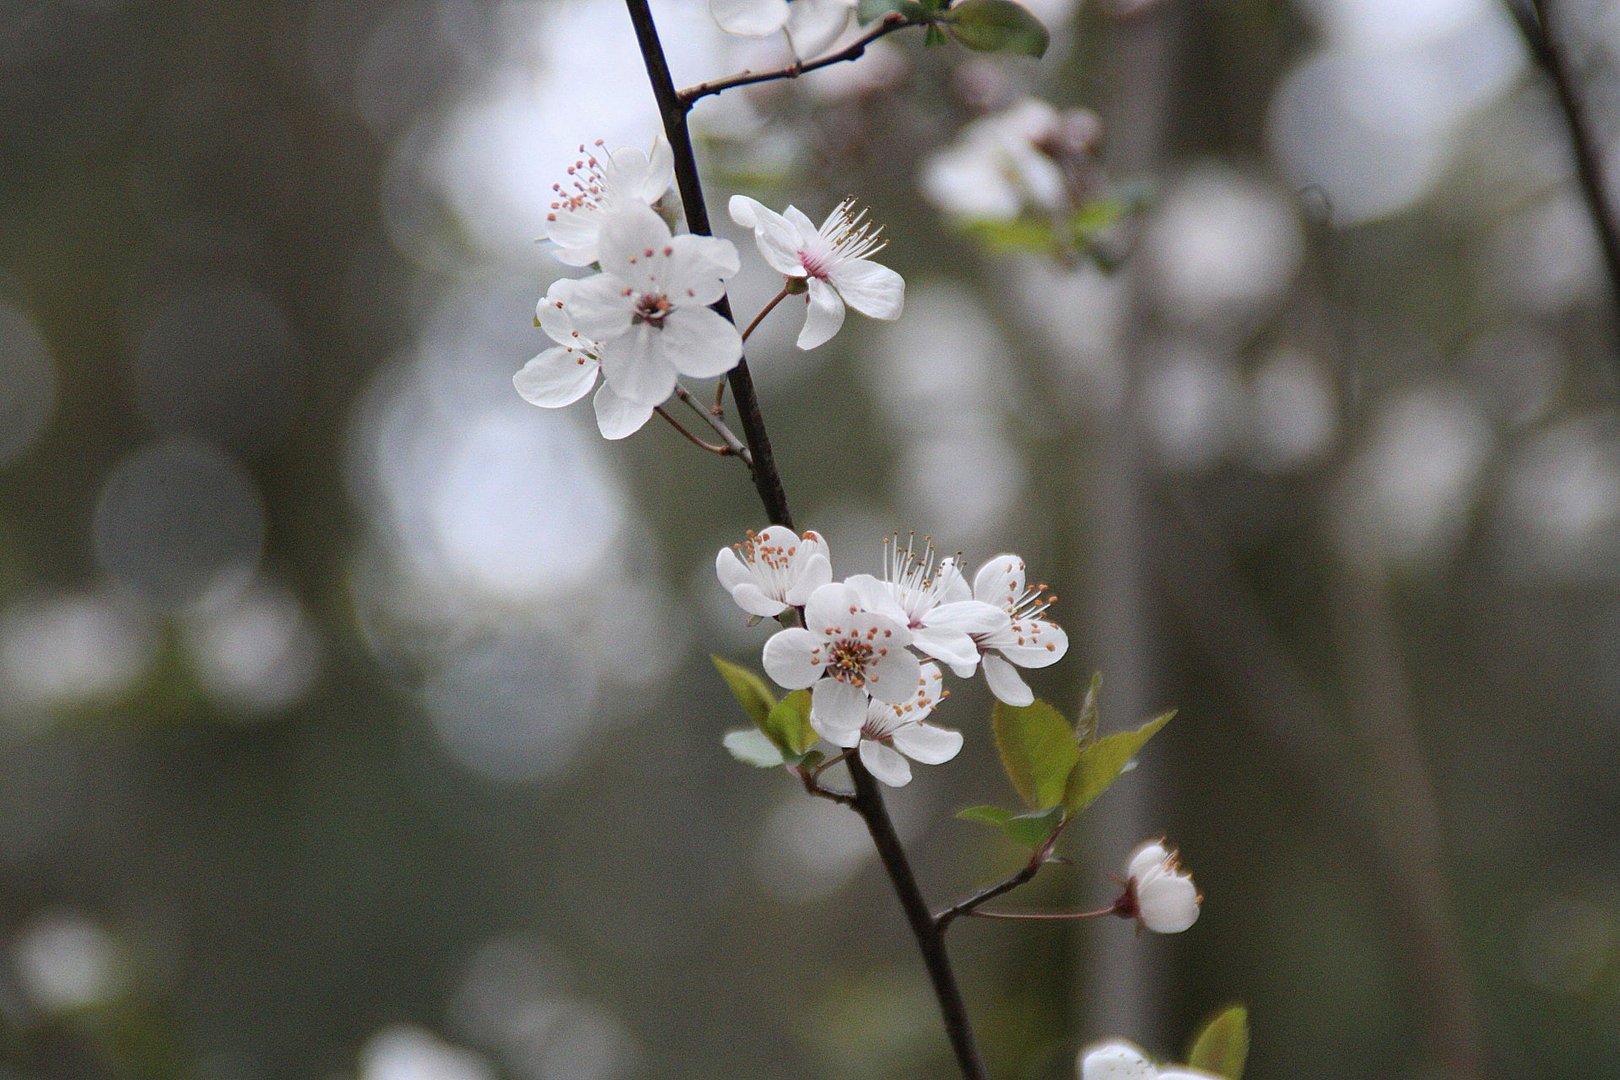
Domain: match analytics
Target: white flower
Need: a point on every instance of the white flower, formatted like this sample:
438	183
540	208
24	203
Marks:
1027	640
861	654
564	374
831	260
937	607
774	570
1165	900
997	168
1116	1061
811	25
649	307
599	185
891	733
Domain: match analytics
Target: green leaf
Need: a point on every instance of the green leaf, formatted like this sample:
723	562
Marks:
1085	727
1014	236
1222	1046
1029	829
1101	763
997	26
934	36
788	724
749	690
1038	750
751	747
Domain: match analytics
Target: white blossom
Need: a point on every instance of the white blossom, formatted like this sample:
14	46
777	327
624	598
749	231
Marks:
935	605
774	570
649	307
996	167
846	655
1026	641
598	184
1165	899
833	261
562	375
1119	1060
811	25
890	733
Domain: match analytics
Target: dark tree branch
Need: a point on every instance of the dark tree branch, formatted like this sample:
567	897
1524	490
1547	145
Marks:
867	800
887	25
1537	22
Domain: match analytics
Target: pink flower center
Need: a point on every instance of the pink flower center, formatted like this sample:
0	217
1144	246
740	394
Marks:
652	309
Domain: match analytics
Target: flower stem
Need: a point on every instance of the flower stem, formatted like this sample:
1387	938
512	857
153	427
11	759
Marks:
727	436
885	26
970	905
1043	916
723	451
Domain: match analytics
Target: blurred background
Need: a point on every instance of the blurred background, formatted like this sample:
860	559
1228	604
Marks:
355	719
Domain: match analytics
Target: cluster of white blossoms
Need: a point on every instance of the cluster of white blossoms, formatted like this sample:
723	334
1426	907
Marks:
646	318
1123	1061
867	644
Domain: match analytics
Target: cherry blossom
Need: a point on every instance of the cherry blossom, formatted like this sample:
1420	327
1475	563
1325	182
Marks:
890	733
998	166
1027	640
811	25
649	307
833	261
935	605
846	655
600	183
1122	1061
1157	894
562	375
774	570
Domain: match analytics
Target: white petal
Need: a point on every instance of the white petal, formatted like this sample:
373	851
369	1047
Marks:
575	232
555	315
952	646
968	616
600	309
745	211
885	763
837	711
830	606
636	369
555	378
1043	643
823	317
780	242
877	596
873	290
893	675
629	232
927	744
1150	856
749	18
809	575
698	342
730	569
1116	1061
999	581
813	25
787	658
953	587
1168	904
1005	682
753	599
618	417
697	267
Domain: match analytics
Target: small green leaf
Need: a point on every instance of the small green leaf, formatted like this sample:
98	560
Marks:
1101	763
788	724
749	690
1085	728
751	747
1038	750
1222	1046
1014	236
988	815
997	26
811	760
1029	829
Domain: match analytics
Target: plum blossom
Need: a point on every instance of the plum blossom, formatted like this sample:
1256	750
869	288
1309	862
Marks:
1121	1061
1003	164
890	733
832	261
774	570
562	375
811	25
649	307
846	655
1157	894
935	605
600	183
1027	640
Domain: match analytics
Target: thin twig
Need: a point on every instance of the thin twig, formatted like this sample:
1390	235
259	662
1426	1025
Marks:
968	905
887	25
727	436
1043	916
1542	33
722	451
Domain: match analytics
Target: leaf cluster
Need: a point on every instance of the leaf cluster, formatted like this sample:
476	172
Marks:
980	25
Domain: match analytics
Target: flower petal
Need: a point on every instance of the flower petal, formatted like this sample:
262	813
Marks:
823	317
697	342
778	241
927	744
837	711
952	646
1005	683
575	232
1000	581
968	616
629	233
730	569
871	289
885	763
1116	1061
1043	643
892	676
749	18
697	267
600	309
754	600
618	417
830	606
877	596
809	574
793	658
1170	905
1150	856
812	25
636	368
555	378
